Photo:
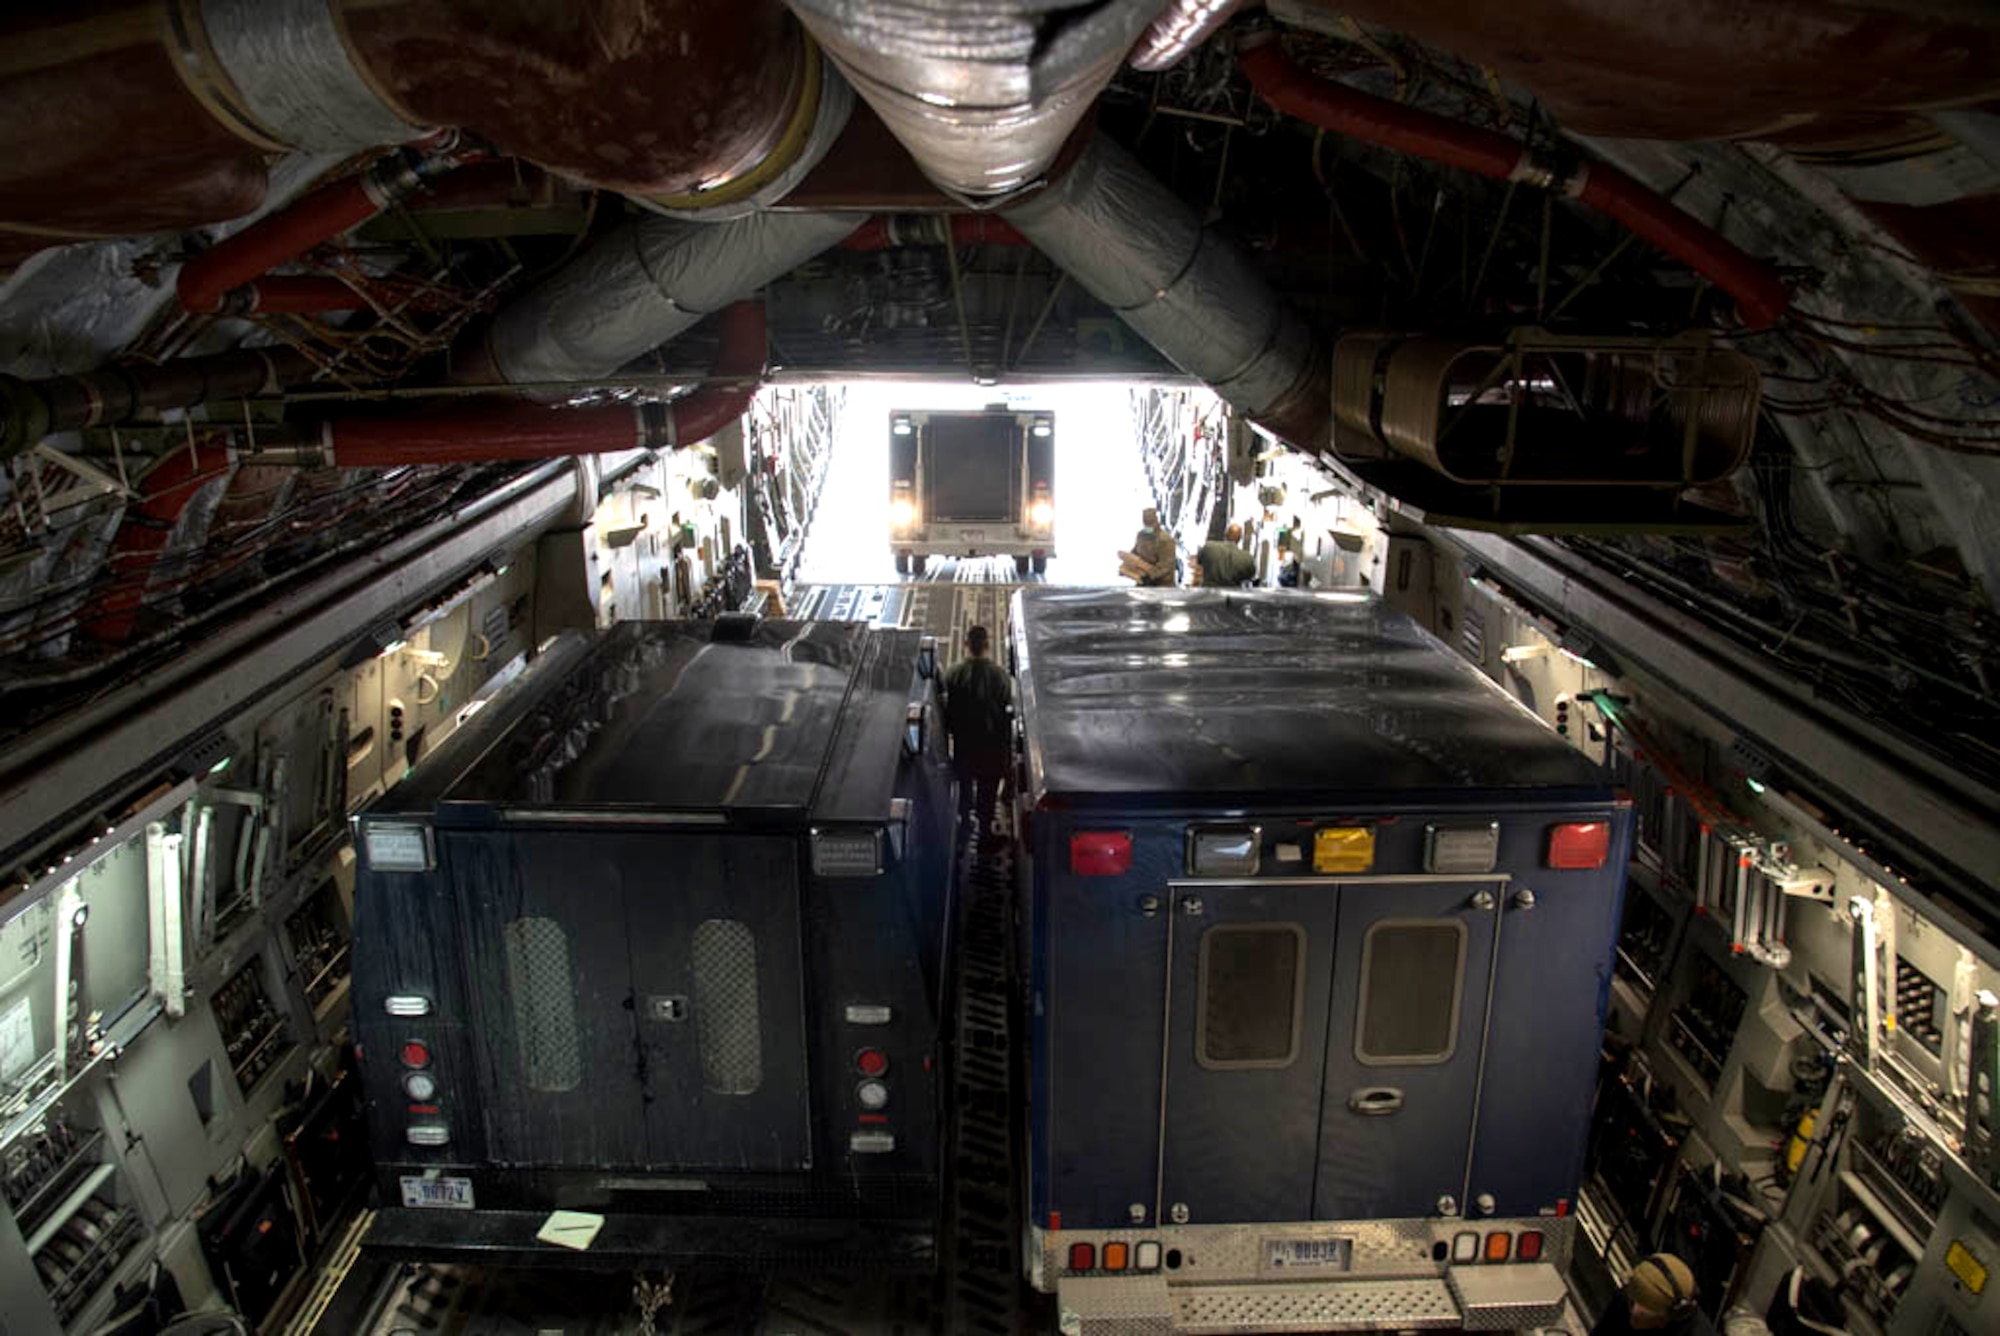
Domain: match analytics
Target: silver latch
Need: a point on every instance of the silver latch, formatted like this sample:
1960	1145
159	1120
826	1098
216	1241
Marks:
1481	900
1447	1205
1524	899
1191	906
1178	1213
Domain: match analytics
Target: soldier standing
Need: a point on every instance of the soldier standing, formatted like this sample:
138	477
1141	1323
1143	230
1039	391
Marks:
977	695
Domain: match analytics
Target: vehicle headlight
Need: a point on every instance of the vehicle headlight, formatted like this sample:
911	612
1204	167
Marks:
902	512
1042	513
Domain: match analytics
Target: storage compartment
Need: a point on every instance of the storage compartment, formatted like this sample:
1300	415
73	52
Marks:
71	1207
253	1032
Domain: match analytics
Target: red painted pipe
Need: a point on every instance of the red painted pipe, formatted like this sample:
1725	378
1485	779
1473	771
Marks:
1759	296
508	429
297	294
492	429
148	526
887	231
207	279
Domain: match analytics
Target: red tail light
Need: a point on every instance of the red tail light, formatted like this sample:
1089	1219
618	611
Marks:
1529	1249
1082	1257
1100	853
1580	844
415	1054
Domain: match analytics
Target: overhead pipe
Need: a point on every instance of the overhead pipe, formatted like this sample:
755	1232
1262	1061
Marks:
888	231
112	396
517	430
684	103
145	532
1185	25
159	116
294	294
1760	298
162	114
637	288
215	278
1133	244
983	93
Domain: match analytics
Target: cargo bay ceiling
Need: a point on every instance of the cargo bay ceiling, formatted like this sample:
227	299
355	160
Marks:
1705	294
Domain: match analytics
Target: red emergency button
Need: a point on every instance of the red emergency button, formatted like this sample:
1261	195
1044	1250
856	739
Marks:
416	1054
871	1062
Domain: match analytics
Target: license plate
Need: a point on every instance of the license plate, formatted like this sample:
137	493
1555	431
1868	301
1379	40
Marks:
1308	1254
447	1194
972	536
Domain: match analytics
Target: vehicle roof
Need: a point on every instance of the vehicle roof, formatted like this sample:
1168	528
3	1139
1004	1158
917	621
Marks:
1147	693
667	716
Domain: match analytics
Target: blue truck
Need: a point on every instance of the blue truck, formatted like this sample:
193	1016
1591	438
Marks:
1319	933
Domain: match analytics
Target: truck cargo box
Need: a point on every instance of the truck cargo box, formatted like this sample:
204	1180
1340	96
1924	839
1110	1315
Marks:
1320	932
658	936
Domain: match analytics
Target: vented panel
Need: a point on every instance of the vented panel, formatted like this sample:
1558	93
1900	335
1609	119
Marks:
544	997
726	1007
1367	1305
1252	987
1410	975
1920	1009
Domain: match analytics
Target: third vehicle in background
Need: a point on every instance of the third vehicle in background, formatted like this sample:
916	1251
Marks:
972	484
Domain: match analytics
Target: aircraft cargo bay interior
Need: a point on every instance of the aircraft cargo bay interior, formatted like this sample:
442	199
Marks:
997	667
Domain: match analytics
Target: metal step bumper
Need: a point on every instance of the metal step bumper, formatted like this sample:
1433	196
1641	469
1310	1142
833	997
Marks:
1509	1298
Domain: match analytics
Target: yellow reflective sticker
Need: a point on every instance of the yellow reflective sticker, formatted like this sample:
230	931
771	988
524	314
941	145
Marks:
1961	1263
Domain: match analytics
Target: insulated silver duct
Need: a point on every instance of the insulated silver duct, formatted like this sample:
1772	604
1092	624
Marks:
281	72
642	285
1135	246
1185	25
981	92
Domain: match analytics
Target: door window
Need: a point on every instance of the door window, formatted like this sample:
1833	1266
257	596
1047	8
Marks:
727	1027
539	984
1252	993
1412	975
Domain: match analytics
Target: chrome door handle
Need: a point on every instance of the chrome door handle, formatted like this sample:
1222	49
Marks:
1374	1101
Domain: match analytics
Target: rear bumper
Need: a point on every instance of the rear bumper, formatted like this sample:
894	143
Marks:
1465	1299
975	541
628	1241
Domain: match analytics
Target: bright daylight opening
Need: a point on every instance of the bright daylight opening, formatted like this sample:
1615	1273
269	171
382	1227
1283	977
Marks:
1092	507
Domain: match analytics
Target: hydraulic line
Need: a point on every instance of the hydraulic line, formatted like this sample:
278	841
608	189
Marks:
1760	298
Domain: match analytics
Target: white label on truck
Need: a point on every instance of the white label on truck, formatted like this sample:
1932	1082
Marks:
449	1194
1307	1254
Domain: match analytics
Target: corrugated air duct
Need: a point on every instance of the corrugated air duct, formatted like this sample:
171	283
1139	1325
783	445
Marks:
639	287
1135	246
983	93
